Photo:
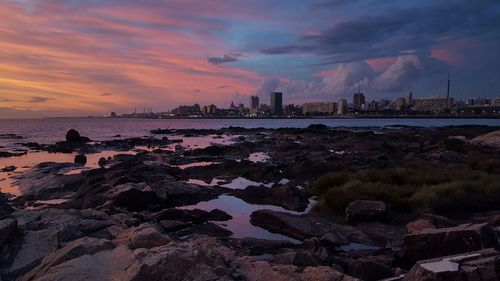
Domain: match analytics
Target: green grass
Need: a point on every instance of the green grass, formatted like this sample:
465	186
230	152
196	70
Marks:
415	188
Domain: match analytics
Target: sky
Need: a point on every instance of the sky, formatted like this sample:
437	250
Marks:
91	57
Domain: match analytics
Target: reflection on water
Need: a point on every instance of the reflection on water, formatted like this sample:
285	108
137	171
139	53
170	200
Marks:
31	159
240	211
242	183
196	164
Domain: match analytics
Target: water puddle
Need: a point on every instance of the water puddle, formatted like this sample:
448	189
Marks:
196	164
242	183
240	211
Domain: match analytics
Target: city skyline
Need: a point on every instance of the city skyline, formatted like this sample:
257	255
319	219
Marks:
83	57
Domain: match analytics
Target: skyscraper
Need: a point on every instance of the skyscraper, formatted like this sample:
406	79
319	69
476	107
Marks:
276	103
254	104
358	100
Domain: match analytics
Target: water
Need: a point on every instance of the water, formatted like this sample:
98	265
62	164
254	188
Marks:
54	129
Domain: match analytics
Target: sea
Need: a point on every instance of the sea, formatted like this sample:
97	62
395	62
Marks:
51	130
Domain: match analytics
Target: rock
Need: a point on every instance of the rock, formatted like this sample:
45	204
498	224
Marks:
365	210
199	259
284	196
472	266
305	226
72	250
431	243
324	273
297	258
81	159
145	235
102	162
7	228
490	139
5	208
74	136
218	215
371	268
44	231
418	225
8	169
133	196
174	225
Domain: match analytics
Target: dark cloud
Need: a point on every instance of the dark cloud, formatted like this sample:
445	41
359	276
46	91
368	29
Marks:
223	87
38	99
106	94
399	31
334	4
231	57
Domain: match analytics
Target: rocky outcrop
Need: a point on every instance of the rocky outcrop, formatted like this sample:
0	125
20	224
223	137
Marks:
284	196
74	136
365	210
305	226
431	243
472	266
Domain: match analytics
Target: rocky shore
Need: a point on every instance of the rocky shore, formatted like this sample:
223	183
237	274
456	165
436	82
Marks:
318	203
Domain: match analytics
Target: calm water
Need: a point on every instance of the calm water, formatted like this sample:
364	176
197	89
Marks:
54	129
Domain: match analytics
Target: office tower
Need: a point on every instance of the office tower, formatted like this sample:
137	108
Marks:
276	103
358	100
254	104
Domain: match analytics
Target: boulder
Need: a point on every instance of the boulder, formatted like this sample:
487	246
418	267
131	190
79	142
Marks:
7	228
365	210
133	196
490	140
81	159
431	243
74	136
306	226
102	162
481	265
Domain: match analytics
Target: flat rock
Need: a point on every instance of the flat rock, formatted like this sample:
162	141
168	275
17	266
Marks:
430	243
305	226
481	265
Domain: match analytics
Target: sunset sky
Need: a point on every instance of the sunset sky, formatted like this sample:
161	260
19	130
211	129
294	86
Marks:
88	57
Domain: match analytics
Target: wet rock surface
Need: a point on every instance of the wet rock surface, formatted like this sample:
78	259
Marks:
147	216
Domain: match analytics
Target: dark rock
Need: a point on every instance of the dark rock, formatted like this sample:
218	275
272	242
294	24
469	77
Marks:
146	236
8	169
81	159
302	227
102	162
418	225
74	136
431	243
7	228
5	208
132	196
365	210
174	225
371	268
284	196
469	266
218	215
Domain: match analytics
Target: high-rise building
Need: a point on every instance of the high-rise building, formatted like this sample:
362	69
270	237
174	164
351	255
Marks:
358	100
342	107
254	104
435	104
276	103
409	98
